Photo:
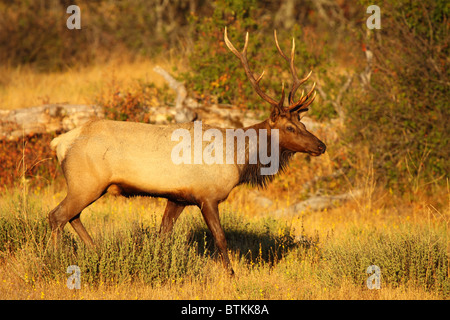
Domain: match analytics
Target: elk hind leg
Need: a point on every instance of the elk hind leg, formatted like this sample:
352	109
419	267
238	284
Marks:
57	220
69	210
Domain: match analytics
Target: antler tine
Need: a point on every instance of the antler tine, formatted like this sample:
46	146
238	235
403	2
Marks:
309	101
278	46
303	93
260	77
303	106
243	58
244	51
231	46
294	105
303	99
296	81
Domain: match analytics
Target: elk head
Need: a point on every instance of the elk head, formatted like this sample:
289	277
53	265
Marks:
293	135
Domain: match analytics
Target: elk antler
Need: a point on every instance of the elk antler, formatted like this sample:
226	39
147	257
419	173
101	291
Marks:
304	101
254	82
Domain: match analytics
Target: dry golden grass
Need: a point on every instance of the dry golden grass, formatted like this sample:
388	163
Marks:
23	87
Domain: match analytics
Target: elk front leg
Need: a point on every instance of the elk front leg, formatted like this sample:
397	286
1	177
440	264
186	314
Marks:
210	212
171	214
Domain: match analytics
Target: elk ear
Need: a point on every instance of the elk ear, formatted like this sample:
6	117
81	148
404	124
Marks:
274	114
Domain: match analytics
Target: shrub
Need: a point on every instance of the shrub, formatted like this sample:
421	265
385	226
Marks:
412	257
402	116
28	161
132	104
257	242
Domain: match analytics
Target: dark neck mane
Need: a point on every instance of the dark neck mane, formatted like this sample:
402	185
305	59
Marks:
251	173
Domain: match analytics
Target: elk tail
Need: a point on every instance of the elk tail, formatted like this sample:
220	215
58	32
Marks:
63	142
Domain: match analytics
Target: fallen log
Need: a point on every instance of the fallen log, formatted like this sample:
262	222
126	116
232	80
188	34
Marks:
317	203
45	119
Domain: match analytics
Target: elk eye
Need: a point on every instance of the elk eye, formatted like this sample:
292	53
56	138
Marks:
290	129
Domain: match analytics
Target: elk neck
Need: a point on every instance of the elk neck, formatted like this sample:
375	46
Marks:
251	173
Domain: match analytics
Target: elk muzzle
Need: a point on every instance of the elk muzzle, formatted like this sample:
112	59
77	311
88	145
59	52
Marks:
322	147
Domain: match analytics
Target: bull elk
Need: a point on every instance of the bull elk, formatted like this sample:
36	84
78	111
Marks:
126	158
